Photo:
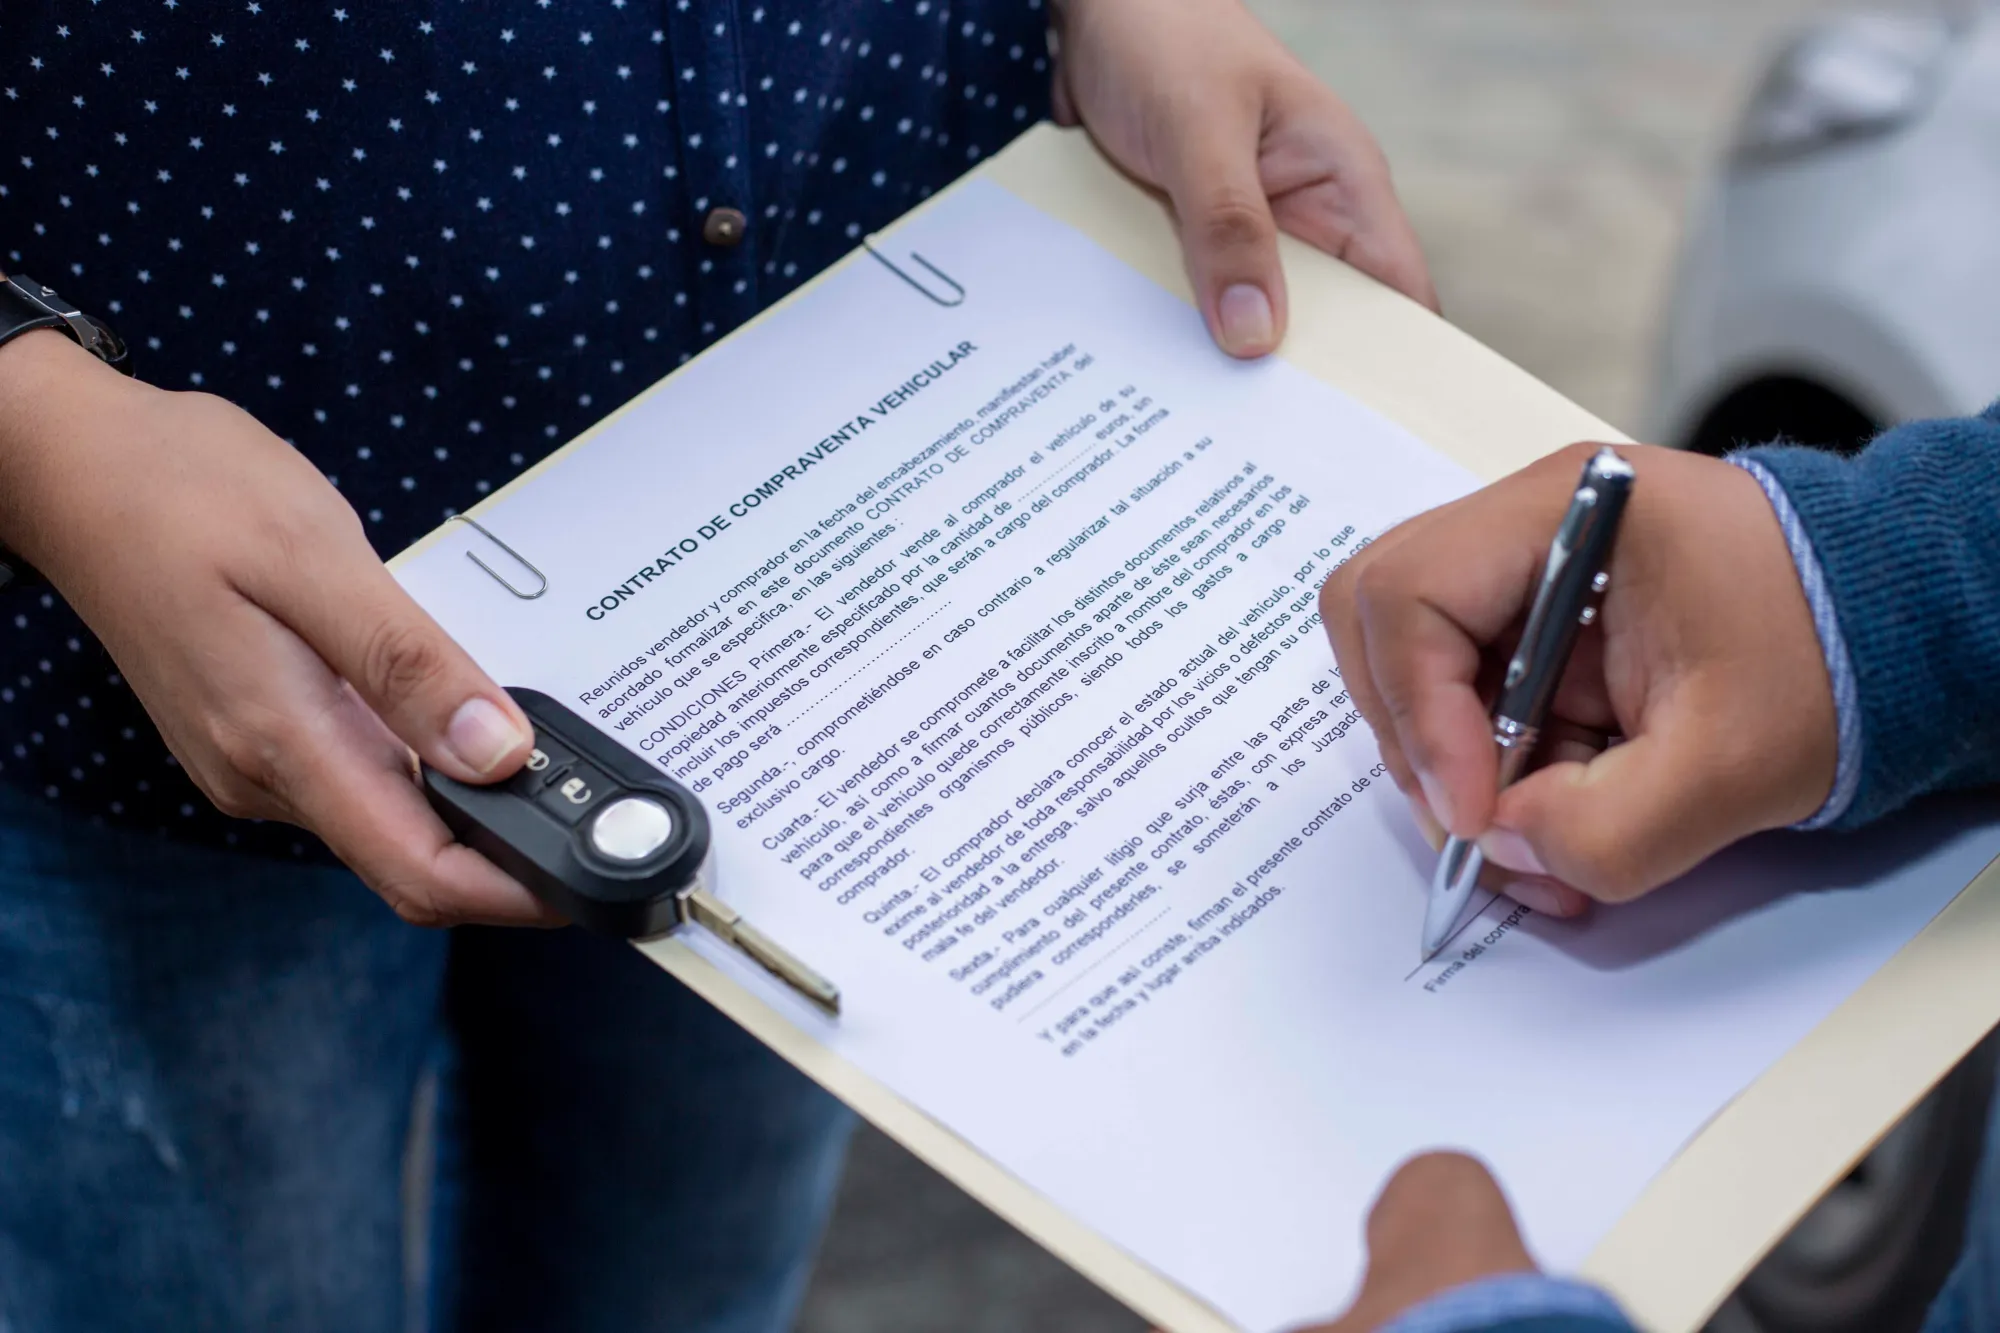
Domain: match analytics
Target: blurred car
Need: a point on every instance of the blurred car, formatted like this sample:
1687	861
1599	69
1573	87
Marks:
1842	273
1843	270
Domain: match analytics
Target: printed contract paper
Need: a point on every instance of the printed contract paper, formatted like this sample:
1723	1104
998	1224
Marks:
988	632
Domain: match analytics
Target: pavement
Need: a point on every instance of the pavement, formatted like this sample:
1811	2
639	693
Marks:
1547	151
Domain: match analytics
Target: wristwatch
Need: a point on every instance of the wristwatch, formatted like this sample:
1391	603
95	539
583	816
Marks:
26	305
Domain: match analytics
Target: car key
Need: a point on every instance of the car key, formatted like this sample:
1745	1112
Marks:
595	833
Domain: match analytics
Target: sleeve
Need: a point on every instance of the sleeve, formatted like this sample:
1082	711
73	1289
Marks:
1514	1303
1832	643
1898	550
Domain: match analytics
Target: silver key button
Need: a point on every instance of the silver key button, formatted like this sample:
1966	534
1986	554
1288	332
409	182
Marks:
631	828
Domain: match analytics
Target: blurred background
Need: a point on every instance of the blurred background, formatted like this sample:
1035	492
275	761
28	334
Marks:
1549	152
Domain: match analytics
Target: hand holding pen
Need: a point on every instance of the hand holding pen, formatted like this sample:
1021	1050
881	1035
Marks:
1702	657
1575	574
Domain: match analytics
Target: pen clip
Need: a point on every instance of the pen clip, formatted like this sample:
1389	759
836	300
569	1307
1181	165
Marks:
1575	573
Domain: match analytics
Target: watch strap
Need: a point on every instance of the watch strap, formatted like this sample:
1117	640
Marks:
26	304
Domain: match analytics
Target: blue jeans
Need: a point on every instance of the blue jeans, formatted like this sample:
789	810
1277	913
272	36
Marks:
207	1068
1970	1299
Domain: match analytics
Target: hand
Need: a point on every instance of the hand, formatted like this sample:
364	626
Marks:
287	670
1440	1223
1196	98
1704	660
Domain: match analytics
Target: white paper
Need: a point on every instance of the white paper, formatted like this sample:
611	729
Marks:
1208	1041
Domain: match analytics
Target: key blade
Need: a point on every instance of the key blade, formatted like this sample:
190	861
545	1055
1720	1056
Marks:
724	922
788	969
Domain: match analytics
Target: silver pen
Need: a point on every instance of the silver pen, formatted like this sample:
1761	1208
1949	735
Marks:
1573	583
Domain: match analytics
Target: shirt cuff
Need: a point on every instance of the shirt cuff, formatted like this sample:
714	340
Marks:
1832	645
1508	1298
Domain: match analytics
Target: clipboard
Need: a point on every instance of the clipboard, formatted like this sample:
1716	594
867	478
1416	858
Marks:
1736	1188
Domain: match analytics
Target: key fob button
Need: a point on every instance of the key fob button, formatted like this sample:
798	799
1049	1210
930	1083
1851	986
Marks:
630	829
548	762
574	793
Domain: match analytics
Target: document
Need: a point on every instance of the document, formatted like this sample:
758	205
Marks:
975	593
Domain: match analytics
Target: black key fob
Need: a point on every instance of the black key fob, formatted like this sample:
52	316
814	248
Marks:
593	831
586	825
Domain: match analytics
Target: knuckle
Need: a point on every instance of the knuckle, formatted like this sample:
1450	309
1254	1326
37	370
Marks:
1426	1191
415	913
297	535
1376	588
400	659
1337	592
401	878
1569	460
1440	1167
1426	739
323	516
410	899
1330	597
1606	866
1420	748
253	781
237	800
1233	221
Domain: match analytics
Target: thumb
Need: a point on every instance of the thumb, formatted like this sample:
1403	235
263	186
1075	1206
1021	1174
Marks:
1440	1222
1227	232
1638	815
414	675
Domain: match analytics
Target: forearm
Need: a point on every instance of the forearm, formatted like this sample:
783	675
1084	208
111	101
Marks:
1906	540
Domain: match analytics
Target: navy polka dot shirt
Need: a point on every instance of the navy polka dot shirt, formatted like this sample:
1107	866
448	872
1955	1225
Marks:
428	242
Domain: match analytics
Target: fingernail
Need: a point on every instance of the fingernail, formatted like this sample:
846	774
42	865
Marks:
1436	797
1540	896
481	735
1510	851
1245	315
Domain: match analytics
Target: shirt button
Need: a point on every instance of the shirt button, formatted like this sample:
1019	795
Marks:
724	226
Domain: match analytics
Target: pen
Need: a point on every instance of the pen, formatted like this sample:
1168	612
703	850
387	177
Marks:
1573	582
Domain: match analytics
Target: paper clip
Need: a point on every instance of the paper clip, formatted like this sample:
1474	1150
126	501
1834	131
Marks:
513	554
958	297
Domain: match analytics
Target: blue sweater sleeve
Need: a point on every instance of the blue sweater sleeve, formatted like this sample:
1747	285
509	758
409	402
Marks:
1906	537
1514	1303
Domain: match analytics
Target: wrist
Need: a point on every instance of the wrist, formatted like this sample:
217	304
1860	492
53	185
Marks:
53	394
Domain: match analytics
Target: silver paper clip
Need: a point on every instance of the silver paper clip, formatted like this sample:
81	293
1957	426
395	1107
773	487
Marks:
512	554
958	292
